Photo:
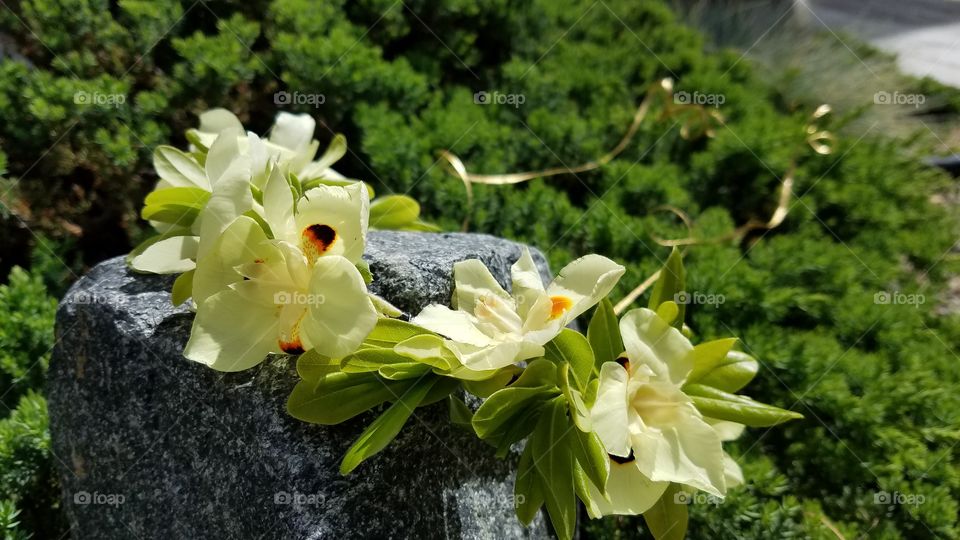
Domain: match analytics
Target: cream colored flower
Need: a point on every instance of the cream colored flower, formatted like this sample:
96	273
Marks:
651	429
491	329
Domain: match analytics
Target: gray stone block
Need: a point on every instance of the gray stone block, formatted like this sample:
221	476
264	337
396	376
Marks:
152	445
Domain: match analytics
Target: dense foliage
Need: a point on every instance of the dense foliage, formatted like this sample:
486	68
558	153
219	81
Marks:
878	382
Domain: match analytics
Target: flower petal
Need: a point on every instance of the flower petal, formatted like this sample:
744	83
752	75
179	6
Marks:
473	281
732	472
168	256
609	412
231	334
629	492
456	325
243	243
332	220
230	199
584	282
686	451
650	341
491	357
179	169
293	131
225	155
337	325
527	285
278	206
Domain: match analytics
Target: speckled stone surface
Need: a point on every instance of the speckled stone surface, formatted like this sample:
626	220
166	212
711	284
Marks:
151	445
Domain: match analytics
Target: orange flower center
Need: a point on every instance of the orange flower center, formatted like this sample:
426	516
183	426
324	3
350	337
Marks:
561	304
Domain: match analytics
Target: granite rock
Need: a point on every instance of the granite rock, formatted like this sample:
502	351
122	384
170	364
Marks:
151	445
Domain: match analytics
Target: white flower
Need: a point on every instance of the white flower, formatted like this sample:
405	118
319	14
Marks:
298	291
651	429
290	143
491	329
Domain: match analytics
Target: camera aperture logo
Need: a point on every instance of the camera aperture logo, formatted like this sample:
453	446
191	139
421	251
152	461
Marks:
283	98
295	498
496	98
101	499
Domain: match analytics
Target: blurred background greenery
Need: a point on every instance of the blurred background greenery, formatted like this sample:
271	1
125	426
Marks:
89	87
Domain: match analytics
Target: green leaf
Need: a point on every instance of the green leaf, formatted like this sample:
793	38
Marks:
460	415
341	396
592	457
582	488
313	366
672	281
427	349
578	409
364	270
401	371
668	311
393	211
603	333
554	461
497	412
708	355
741	409
667	519
732	373
179	214
573	348
540	372
187	196
182	288
486	387
370	359
527	488
389	332
386	427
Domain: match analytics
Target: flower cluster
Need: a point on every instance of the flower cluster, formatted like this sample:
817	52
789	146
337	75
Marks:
269	245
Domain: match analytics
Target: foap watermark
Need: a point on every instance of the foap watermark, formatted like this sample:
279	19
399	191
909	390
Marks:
897	298
897	98
682	497
89	298
699	298
98	99
296	498
887	498
298	298
103	499
698	98
284	98
496	98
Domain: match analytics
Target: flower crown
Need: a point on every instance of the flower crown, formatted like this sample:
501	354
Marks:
268	241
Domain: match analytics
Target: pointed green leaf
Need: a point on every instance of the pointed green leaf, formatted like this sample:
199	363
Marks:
732	373
389	332
672	281
393	211
499	410
592	457
460	415
667	519
386	427
182	288
741	409
313	366
708	355
554	461
527	488
603	333
405	370
341	396
572	348
370	359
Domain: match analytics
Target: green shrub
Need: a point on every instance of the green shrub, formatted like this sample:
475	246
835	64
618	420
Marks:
878	383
